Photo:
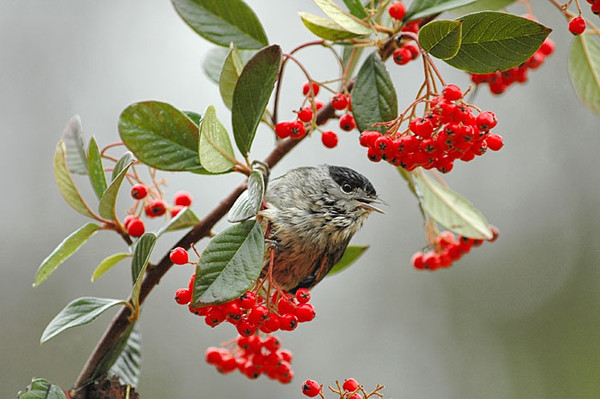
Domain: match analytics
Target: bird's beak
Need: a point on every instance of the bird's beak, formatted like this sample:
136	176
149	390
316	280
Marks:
368	205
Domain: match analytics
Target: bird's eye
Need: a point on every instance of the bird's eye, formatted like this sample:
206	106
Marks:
346	187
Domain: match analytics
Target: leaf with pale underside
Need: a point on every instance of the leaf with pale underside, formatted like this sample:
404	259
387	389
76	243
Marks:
75	146
584	69
215	150
65	182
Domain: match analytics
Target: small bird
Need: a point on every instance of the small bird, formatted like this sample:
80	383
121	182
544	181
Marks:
311	214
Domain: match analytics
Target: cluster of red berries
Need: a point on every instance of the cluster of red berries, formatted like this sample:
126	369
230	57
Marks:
446	250
153	208
407	52
350	389
253	357
595	6
500	81
250	312
297	129
449	131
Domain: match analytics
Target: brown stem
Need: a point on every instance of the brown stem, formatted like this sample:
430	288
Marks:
154	273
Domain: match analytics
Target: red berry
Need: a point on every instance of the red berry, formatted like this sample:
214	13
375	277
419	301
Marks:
183	296
397	10
417	261
286	305
246	328
272	323
305	312
258	314
494	142
271	343
368	137
214	355
486	120
347	122
350	385
339	101
286	355
156	207
311	388
412	26
174	211
303	295
329	139
596	8
547	47
297	130
421	127
179	256
374	154
577	26
288	322
136	228
319	104
182	198
408	144
413	48
215	316
383	142
305	114
402	56
139	191
282	129
128	219
306	89
452	92
247	300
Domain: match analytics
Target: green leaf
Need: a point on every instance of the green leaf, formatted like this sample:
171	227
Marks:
41	388
584	69
108	263
441	38
426	8
356	8
325	28
194	116
215	59
96	169
232	68
408	177
161	136
482	5
107	205
231	262
252	93
78	313
215	150
373	97
64	250
65	183
139	263
75	146
342	18
184	219
129	363
223	22
351	254
248	203
493	41
451	210
350	64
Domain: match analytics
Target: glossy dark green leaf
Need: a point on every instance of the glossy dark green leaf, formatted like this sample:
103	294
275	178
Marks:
584	69
194	116
108	202
494	41
96	169
351	255
482	5
128	364
373	97
252	93
231	262
232	68
75	146
161	136
223	22
215	150
184	219
65	182
248	203
63	251
441	38
356	8
107	263
425	8
41	388
325	28
113	355
342	18
79	312
139	263
452	210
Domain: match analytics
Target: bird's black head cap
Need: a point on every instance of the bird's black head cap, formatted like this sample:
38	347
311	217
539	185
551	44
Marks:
342	175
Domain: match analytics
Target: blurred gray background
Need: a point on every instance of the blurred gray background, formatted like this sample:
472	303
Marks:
519	318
